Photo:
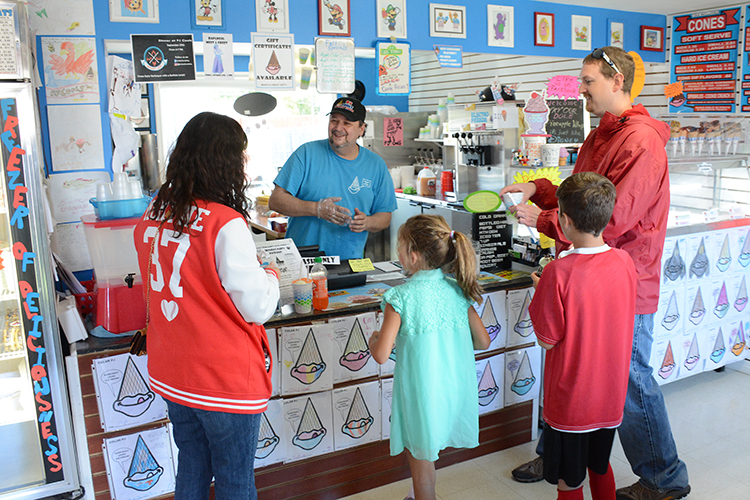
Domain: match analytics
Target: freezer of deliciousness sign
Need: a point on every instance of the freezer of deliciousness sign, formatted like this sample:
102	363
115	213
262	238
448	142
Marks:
163	58
14	158
273	61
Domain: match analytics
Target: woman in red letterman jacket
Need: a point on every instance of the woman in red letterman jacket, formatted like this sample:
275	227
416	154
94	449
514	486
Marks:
208	354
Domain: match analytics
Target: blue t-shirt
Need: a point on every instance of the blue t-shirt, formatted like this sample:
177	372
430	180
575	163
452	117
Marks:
314	172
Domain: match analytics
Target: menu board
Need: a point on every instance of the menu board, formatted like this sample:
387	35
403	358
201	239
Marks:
567	122
745	82
493	233
704	61
394	68
335	65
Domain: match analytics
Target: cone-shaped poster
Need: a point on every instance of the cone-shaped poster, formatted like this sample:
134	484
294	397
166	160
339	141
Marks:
392	356
718	351
674	266
359	419
135	396
699	266
524	379
309	365
356	353
144	472
668	364
273	66
489	320
523	325
741	301
725	257
267	438
310	431
487	386
722	305
744	258
698	310
739	341
693	355
672	315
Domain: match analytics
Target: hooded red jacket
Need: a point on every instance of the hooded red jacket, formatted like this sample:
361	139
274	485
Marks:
630	151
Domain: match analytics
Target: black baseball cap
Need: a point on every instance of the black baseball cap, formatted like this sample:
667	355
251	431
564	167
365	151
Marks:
351	108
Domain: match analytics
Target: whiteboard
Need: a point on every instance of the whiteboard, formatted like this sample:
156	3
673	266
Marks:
335	65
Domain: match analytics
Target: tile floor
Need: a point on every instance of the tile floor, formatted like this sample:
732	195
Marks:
710	417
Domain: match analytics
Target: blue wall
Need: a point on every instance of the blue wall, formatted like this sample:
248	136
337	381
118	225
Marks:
239	15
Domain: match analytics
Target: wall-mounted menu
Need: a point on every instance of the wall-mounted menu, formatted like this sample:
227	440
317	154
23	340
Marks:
493	233
335	65
704	60
745	82
566	123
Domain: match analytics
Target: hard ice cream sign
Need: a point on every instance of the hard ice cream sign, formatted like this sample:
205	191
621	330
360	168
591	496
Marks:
273	61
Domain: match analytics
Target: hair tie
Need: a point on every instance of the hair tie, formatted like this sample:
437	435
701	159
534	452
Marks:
452	233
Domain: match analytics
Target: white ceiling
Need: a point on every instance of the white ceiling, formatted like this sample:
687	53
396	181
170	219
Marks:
665	7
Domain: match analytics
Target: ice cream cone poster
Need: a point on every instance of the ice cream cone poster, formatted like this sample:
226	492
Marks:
274	360
738	287
356	415
387	367
490	386
140	465
692	355
737	345
309	421
307	359
670	315
714	346
673	267
666	358
700	257
273	61
523	375
720	302
695	307
353	359
520	330
123	394
743	246
386	402
271	448
492	312
723	251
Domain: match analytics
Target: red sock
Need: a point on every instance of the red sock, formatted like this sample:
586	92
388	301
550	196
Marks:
576	494
602	485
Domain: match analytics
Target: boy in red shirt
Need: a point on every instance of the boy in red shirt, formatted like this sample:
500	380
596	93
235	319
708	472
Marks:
583	313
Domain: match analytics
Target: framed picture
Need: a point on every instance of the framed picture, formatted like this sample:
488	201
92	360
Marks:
334	18
447	20
272	16
580	32
207	13
616	33
500	26
143	122
128	11
391	18
544	29
652	38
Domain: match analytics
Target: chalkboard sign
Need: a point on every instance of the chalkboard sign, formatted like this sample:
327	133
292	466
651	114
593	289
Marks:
493	233
334	58
568	121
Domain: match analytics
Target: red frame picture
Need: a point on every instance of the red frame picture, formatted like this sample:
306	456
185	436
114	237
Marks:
652	38
329	24
540	37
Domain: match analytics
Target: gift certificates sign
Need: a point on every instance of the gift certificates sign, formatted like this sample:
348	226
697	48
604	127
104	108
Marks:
704	61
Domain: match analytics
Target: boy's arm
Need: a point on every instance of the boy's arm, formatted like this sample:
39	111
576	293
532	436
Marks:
479	335
381	342
544	345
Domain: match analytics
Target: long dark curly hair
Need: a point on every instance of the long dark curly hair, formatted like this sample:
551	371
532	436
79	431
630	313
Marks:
206	163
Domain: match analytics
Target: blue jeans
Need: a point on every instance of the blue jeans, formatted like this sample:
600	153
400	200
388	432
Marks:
214	444
645	434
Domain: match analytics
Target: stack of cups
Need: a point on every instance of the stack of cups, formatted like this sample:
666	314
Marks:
434	124
120	189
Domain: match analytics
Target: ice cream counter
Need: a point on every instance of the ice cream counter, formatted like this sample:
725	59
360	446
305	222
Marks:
322	436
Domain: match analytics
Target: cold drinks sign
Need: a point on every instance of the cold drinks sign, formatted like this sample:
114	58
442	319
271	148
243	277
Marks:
704	61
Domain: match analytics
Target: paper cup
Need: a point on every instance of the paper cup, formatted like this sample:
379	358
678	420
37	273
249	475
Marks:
511	199
302	290
550	155
303	55
304	79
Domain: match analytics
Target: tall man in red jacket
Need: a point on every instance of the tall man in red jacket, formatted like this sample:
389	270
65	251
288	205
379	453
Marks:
628	148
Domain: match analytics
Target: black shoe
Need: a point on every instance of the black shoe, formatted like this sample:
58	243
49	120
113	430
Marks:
639	492
530	472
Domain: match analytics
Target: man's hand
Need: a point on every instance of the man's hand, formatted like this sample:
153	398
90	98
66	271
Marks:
358	223
335	214
526	214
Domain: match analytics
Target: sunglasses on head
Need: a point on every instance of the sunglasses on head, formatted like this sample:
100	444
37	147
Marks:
600	54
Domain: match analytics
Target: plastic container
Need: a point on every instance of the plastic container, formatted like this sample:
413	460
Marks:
120	209
319	276
426	182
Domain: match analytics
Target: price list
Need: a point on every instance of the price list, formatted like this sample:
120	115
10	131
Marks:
493	233
8	52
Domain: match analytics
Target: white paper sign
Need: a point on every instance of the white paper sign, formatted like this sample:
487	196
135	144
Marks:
218	56
273	61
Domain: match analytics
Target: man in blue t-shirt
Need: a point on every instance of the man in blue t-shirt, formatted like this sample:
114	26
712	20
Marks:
334	191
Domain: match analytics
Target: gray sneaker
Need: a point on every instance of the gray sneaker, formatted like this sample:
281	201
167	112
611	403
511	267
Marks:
639	492
530	472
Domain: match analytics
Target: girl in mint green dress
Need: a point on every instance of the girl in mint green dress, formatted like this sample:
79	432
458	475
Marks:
436	330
